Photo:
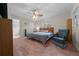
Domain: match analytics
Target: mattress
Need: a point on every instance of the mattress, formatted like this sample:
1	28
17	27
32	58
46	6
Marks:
41	36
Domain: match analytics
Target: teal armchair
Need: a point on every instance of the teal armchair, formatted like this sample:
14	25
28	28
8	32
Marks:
61	37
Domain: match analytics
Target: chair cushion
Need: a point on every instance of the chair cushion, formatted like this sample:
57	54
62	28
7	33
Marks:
59	40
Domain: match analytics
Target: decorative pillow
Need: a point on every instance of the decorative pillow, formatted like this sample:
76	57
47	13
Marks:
43	30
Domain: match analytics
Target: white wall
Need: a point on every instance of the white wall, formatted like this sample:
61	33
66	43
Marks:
57	22
22	27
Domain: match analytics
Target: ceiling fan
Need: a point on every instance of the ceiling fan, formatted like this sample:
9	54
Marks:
35	12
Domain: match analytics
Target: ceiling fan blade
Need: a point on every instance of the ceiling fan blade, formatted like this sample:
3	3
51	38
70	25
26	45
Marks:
28	11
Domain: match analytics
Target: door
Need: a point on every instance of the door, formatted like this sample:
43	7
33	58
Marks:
69	27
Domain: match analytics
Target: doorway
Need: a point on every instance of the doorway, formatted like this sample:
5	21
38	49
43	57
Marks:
16	28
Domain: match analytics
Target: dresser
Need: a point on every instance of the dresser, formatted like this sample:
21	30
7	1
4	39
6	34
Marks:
6	39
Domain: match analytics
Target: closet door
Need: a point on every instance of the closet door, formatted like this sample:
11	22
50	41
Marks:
69	27
6	43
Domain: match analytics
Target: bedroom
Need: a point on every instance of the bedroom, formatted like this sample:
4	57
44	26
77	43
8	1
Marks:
36	22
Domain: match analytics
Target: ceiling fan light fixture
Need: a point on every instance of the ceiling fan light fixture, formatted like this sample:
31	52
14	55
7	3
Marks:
38	13
35	17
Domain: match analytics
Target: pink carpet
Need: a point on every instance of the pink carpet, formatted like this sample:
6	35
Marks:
28	47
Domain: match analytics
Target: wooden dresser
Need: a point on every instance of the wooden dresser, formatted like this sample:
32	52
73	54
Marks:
6	39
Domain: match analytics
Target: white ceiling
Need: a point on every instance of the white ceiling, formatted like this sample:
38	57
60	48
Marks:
23	10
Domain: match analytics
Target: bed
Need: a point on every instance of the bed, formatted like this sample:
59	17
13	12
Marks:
40	36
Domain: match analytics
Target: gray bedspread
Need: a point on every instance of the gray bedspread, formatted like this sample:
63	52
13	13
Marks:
41	36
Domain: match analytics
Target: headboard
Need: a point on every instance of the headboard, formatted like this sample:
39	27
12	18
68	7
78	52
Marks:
49	29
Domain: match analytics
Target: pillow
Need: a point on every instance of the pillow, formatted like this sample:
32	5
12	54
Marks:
43	30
